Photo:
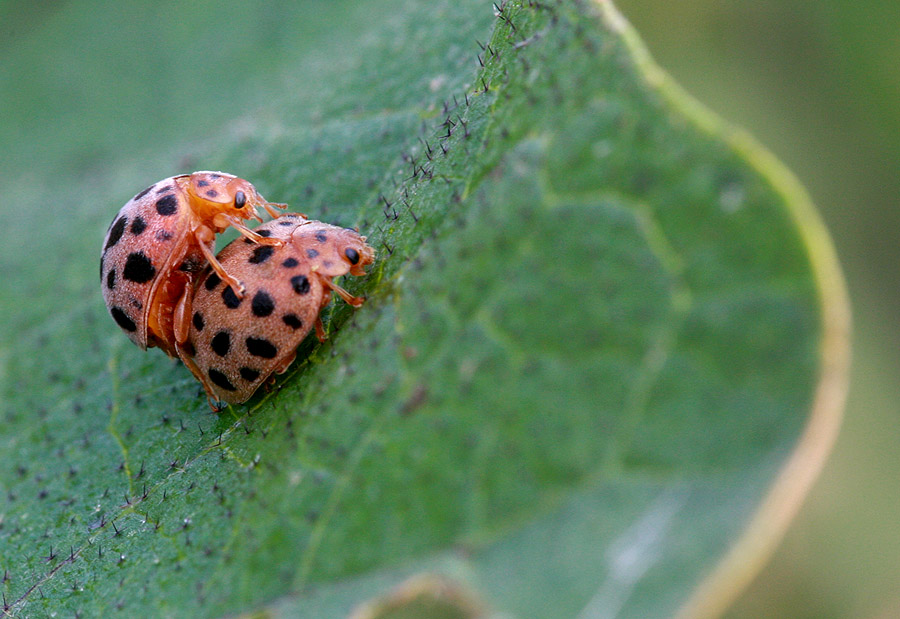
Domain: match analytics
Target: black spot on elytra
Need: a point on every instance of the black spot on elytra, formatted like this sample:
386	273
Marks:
101	265
290	263
262	304
230	299
143	193
286	223
198	321
300	284
138	225
321	237
167	205
202	183
352	255
115	232
221	343
138	268
292	321
261	347
111	279
122	319
212	193
312	253
220	379
164	189
249	374
163	235
212	281
261	254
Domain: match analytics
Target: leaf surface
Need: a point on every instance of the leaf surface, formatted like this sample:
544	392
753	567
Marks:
596	329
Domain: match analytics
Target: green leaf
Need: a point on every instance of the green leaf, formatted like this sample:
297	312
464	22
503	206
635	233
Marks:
602	358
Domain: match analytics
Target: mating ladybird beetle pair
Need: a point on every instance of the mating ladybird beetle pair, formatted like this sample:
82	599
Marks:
163	238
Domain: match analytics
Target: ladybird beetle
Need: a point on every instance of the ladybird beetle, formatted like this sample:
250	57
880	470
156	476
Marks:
236	344
161	239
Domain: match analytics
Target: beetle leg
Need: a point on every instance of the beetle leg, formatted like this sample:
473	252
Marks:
271	206
210	394
320	330
285	363
181	322
346	296
253	236
189	363
236	286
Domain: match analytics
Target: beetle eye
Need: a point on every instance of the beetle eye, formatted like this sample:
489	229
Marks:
352	255
239	199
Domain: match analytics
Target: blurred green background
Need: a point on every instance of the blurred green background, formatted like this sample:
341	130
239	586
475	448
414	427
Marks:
819	84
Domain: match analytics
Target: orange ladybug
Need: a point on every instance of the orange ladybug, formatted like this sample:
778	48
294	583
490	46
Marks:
161	239
236	344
